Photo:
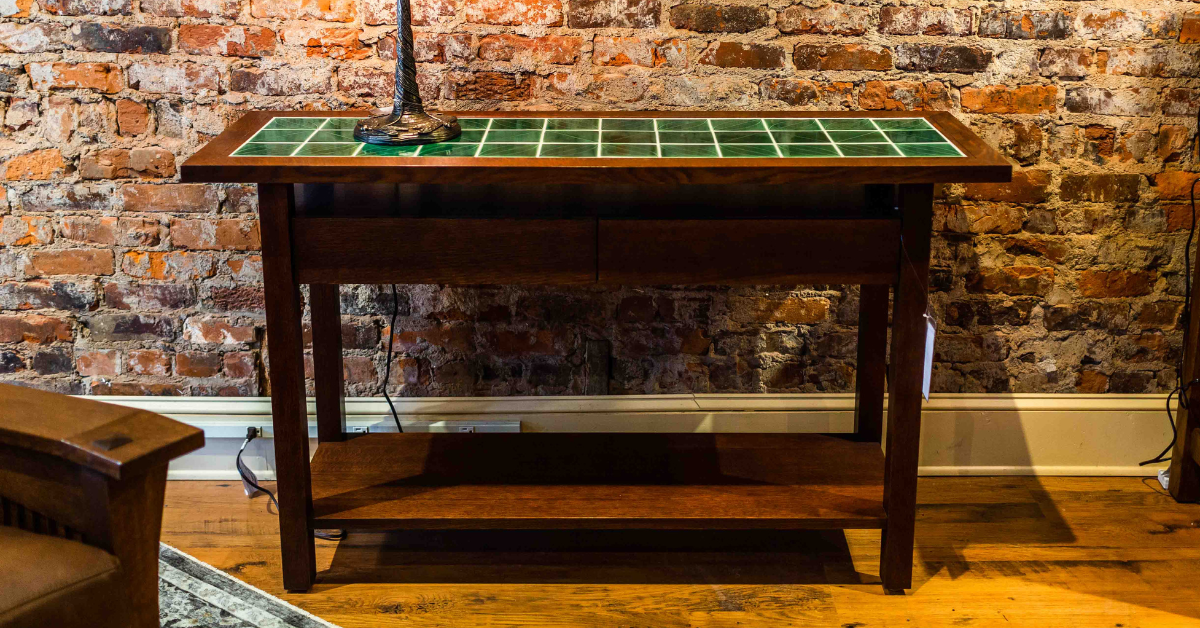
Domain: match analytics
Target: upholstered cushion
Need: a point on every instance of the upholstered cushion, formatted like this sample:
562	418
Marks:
48	581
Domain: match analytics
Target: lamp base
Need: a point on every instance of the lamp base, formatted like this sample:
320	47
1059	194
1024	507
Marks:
407	129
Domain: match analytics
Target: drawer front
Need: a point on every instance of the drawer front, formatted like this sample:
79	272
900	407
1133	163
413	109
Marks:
655	252
439	250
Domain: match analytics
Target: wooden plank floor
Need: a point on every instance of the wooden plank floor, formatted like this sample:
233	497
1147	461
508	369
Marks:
1078	552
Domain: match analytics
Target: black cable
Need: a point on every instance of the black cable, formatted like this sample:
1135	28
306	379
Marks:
247	474
387	368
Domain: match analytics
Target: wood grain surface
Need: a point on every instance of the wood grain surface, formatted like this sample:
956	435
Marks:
991	552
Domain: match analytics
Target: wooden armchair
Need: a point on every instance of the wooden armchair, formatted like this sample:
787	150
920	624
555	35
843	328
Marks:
81	490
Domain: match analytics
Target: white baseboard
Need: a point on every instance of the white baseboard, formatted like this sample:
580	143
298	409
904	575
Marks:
962	434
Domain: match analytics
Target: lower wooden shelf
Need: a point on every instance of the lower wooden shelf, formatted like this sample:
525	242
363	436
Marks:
598	481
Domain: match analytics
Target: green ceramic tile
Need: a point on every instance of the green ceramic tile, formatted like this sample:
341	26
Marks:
509	150
571	137
914	137
265	150
468	137
792	124
517	123
857	137
928	150
327	150
568	150
341	124
375	150
889	124
682	124
748	150
528	135
294	123
737	124
689	150
574	124
743	137
473	123
338	135
628	150
448	150
624	124
685	137
627	137
868	150
800	137
808	150
281	135
846	124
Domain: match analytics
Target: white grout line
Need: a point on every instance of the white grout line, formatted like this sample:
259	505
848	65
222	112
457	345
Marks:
483	139
828	137
772	136
310	136
657	140
713	132
899	153
542	137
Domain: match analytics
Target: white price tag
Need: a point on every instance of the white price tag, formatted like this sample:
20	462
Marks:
930	332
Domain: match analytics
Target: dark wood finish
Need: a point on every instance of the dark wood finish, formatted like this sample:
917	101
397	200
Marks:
597	366
212	164
756	252
871	369
433	250
286	373
325	309
904	386
92	472
596	481
1185	456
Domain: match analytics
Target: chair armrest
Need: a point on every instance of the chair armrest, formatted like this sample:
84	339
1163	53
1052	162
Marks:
109	439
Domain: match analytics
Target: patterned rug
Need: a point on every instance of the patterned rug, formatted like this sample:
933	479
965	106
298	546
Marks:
195	595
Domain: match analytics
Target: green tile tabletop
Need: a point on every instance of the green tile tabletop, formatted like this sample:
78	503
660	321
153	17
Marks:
626	137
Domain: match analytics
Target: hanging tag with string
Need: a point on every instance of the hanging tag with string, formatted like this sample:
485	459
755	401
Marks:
930	325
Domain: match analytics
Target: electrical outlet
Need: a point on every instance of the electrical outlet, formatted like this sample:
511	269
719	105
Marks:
358	429
466	429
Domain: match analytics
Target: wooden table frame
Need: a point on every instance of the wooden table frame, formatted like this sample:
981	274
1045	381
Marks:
330	249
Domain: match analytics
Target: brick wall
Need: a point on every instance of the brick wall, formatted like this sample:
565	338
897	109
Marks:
116	279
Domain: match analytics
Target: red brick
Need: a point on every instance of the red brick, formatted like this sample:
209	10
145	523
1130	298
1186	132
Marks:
238	298
98	363
31	38
1189	29
937	58
799	93
526	342
149	297
119	163
1119	24
1025	24
1175	62
234	234
114	38
34	328
239	364
1026	187
228	9
148	362
326	10
86	7
831	19
43	164
1012	280
174	78
1111	102
717	18
1002	99
548	49
613	13
424	12
38	294
506	13
169	265
172	197
618	87
1181	102
365	81
104	77
1072	62
1099	284
230	41
70	262
25	230
1175	184
334	43
491	86
217	331
1172	142
789	310
1091	382
280	82
198	364
925	20
1100	188
638	51
247	269
730	54
16	9
133	118
447	337
841	57
905	96
357	369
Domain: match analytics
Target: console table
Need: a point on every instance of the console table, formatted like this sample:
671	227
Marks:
621	198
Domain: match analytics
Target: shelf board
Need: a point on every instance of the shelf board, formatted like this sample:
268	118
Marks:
598	481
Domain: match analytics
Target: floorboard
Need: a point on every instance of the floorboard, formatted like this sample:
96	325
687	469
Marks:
1011	551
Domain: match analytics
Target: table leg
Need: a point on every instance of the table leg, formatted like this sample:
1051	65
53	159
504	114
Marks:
870	380
285	353
904	387
325	306
1185	459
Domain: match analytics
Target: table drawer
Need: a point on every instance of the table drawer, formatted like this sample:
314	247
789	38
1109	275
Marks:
655	252
444	250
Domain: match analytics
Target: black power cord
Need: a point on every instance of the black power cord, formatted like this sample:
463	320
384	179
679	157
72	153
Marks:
252	481
387	368
1182	389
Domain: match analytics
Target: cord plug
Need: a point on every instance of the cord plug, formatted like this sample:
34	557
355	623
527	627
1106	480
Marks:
251	433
